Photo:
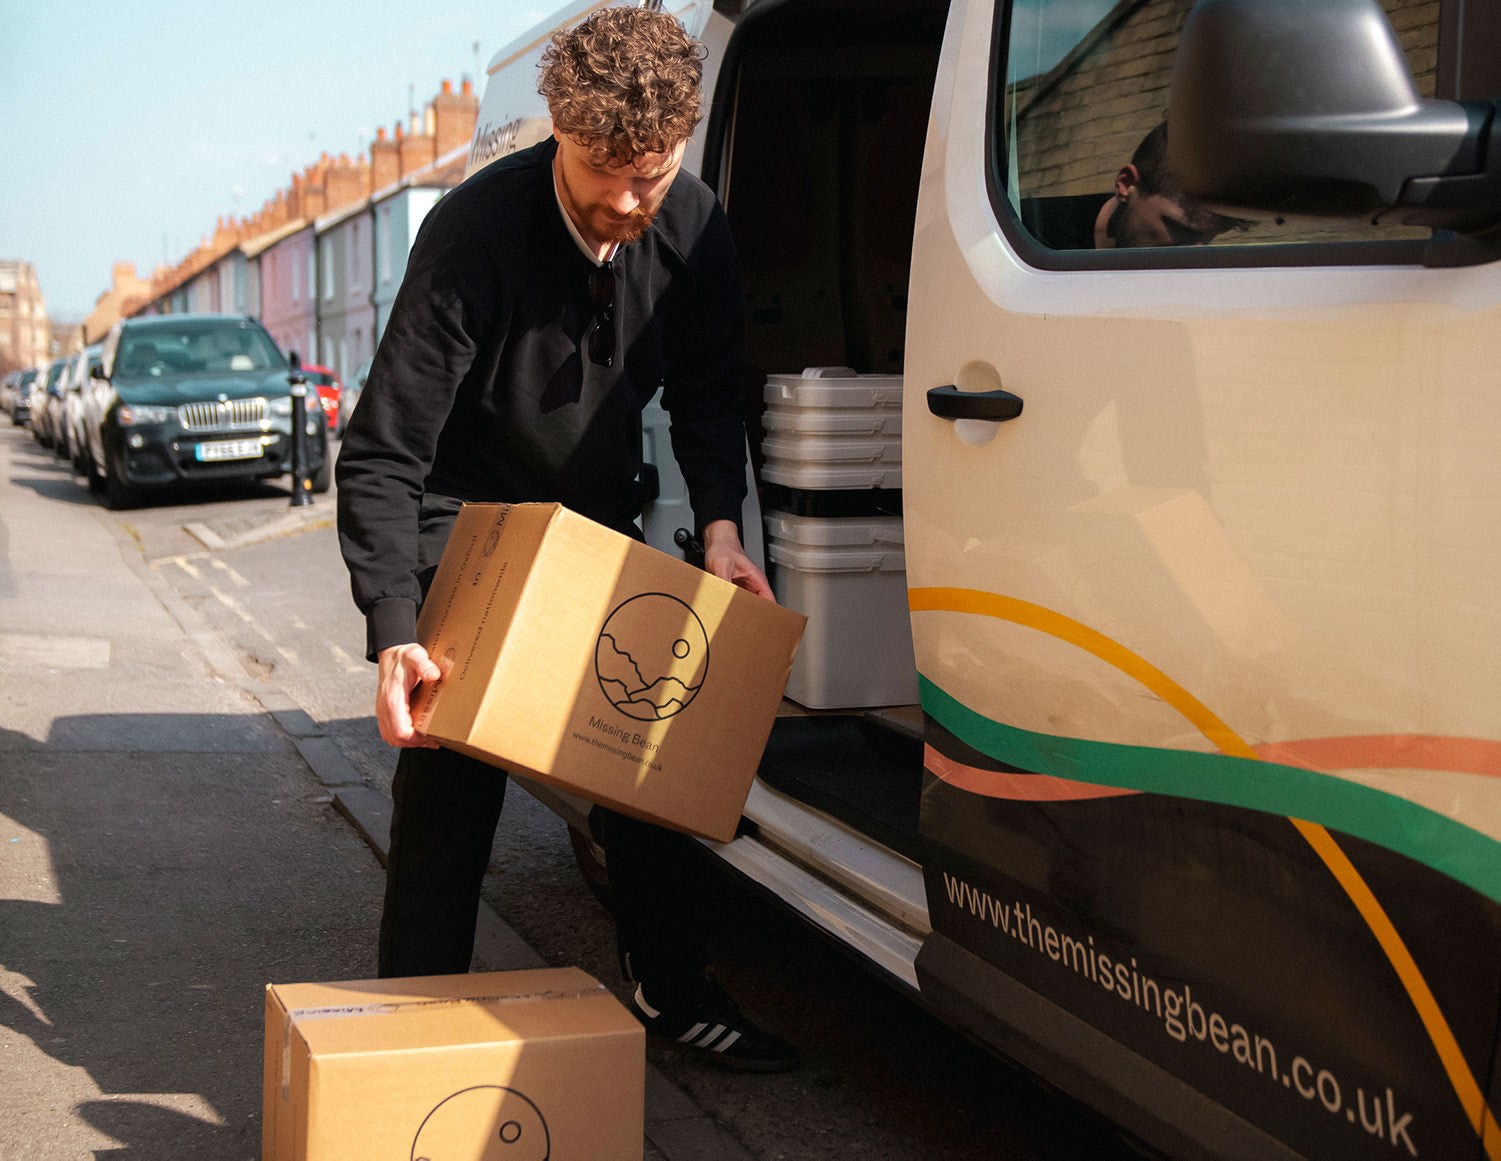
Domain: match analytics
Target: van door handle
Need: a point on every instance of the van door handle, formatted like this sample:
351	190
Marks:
951	403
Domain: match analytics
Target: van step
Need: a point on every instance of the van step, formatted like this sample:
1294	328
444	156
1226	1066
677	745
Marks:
858	769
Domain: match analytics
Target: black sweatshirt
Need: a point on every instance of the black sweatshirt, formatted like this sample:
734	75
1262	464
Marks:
482	389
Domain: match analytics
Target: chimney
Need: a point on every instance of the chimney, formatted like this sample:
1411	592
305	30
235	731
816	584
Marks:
385	161
454	115
346	182
314	192
416	149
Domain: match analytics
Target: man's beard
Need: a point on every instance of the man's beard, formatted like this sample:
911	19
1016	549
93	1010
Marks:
602	222
632	228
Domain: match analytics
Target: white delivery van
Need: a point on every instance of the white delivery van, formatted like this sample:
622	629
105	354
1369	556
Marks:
1191	797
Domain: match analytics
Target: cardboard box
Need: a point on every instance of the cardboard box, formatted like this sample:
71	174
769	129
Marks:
588	661
483	1067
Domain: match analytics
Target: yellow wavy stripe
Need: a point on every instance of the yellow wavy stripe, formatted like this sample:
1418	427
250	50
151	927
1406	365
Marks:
1460	1077
1055	624
1067	629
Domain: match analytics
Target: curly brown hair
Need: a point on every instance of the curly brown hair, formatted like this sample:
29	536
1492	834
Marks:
629	79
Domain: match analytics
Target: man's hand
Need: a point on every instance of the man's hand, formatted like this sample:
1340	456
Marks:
402	667
725	558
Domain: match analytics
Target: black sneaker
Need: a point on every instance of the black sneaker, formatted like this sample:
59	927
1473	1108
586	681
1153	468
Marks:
715	1028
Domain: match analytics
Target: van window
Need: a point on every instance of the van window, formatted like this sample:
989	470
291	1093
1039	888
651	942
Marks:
1082	114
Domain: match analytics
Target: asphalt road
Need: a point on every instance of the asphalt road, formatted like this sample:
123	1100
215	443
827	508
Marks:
882	1080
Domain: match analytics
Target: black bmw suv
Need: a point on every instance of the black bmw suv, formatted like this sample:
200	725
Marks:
194	397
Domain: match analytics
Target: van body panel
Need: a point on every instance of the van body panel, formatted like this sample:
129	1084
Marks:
513	115
1207	638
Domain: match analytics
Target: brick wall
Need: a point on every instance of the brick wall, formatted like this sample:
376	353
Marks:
1079	123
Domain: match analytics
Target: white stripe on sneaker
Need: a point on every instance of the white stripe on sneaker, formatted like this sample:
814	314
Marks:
727	1041
643	1005
692	1032
710	1036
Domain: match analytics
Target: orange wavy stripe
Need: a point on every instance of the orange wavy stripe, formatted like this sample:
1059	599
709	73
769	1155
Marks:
1017	787
1388	752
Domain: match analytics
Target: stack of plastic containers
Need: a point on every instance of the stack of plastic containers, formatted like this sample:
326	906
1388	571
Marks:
832	478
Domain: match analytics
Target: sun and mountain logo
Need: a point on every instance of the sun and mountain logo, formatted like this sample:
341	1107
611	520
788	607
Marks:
651	657
487	1122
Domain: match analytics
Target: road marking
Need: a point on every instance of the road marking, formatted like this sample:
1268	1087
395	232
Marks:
350	664
233	575
183	562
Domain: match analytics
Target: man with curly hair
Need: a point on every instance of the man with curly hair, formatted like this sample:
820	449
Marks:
546	301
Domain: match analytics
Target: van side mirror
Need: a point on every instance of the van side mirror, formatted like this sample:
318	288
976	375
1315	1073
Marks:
1292	109
294	362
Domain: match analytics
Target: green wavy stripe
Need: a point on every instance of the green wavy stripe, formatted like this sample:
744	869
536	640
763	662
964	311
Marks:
1459	851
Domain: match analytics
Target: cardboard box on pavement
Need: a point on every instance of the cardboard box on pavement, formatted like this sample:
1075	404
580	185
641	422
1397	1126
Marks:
586	660
497	1066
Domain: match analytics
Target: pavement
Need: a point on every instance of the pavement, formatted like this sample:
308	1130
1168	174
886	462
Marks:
175	834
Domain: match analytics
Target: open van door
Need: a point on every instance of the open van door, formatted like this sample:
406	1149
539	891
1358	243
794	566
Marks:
1204	566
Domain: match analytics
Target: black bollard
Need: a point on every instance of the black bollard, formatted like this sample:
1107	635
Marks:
302	483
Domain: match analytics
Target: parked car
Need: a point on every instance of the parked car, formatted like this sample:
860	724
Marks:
178	398
74	444
60	389
8	391
45	397
326	381
17	399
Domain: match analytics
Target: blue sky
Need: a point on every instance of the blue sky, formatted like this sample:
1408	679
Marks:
128	129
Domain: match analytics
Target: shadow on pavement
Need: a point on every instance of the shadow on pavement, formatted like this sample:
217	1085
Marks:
158	871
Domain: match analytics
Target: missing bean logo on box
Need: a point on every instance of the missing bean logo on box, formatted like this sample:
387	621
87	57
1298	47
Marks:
651	657
484	1123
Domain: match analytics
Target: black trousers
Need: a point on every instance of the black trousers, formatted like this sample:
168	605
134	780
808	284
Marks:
447	807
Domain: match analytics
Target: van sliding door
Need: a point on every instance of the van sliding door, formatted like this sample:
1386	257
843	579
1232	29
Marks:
1205	609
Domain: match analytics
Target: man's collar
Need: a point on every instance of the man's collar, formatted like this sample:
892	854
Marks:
578	239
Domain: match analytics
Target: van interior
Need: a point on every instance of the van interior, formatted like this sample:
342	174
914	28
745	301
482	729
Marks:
819	176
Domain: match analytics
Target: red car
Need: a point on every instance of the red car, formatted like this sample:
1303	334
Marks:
329	389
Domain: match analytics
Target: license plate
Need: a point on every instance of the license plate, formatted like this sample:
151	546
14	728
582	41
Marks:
229	449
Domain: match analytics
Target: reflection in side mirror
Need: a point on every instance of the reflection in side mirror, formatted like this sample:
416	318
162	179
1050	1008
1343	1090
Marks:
1291	109
97	372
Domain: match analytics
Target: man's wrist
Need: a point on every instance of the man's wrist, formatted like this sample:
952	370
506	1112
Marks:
721	533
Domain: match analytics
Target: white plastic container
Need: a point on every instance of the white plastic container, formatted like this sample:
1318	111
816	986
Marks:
832	421
848	575
830	451
830	428
818	477
831	387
